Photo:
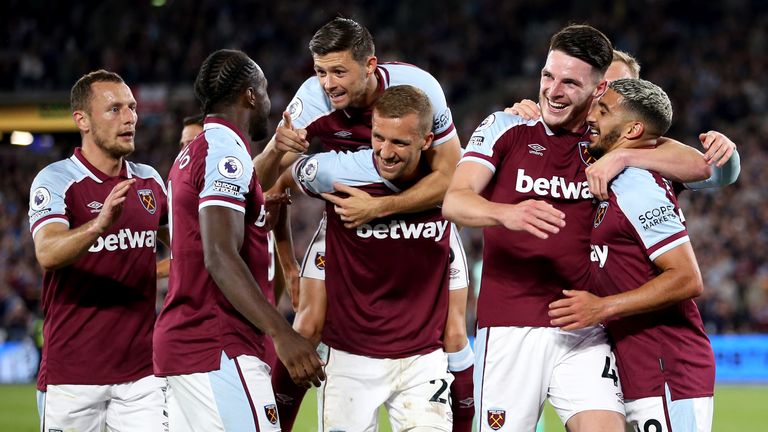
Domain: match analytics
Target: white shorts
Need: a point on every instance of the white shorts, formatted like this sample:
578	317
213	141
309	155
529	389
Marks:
313	266
662	414
237	397
517	368
134	406
414	390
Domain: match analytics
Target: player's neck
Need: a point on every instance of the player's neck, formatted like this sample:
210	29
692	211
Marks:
371	90
101	160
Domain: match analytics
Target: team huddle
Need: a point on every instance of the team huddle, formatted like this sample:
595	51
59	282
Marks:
588	274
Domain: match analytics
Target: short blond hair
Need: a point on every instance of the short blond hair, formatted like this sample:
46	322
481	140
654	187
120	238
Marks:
627	59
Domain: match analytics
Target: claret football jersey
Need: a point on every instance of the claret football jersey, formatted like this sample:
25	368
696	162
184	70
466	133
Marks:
387	280
522	274
197	322
99	311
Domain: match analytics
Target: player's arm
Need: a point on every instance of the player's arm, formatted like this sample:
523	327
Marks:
726	160
359	207
465	206
680	280
281	151
455	337
222	230
57	246
672	159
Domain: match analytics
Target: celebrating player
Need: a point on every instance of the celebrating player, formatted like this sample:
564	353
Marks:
644	274
335	107
94	219
209	338
512	174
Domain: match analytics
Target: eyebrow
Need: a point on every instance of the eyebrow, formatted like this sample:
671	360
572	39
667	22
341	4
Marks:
603	106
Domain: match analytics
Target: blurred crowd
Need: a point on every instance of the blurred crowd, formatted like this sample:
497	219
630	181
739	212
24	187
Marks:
710	57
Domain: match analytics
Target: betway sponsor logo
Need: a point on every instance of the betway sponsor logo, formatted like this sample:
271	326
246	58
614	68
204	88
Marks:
556	187
398	229
599	254
124	240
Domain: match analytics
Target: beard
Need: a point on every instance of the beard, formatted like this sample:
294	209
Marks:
114	148
603	144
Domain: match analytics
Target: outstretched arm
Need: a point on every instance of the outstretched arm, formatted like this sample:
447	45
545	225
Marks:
281	151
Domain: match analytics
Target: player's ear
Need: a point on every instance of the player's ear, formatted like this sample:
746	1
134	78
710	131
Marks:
428	141
601	88
635	130
82	121
370	64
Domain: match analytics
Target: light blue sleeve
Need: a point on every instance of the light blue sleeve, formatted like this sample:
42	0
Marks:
317	173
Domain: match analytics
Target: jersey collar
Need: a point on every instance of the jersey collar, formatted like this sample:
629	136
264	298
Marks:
94	173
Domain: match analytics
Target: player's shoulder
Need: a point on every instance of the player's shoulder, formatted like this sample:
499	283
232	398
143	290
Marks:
501	122
396	73
60	174
635	187
144	171
310	102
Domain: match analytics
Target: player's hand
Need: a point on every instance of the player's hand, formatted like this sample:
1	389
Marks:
602	171
288	139
300	358
113	205
356	209
526	108
577	310
719	148
274	204
539	218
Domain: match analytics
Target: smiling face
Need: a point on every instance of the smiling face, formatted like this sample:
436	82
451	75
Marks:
110	121
397	145
607	121
345	81
567	87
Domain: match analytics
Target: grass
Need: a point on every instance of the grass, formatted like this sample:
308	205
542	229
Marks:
737	409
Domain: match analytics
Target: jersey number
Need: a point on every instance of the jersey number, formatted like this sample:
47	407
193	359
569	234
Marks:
609	372
438	396
652	423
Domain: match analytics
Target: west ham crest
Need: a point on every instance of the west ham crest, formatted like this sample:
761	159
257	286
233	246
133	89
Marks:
587	158
320	261
147	198
271	412
602	209
496	418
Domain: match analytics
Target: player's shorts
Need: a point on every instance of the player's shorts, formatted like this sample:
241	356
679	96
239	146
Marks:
237	397
662	414
135	406
517	368
313	266
414	390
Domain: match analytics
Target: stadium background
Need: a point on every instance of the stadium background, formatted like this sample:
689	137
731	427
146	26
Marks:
710	57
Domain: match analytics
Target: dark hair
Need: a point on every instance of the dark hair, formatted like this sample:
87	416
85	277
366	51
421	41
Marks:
193	120
81	93
646	100
224	75
585	43
343	34
399	101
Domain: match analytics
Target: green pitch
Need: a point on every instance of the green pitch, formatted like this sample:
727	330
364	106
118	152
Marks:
737	409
